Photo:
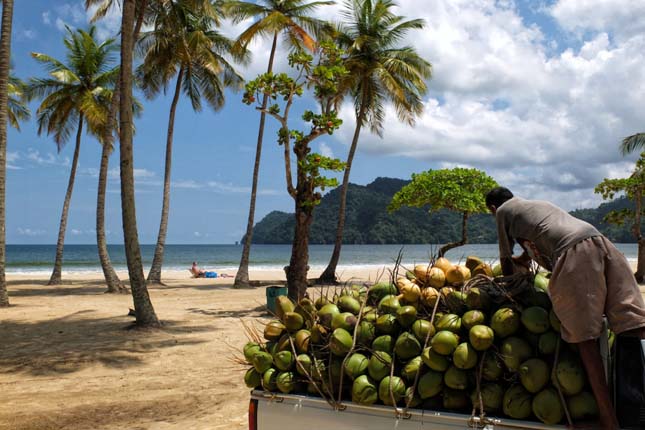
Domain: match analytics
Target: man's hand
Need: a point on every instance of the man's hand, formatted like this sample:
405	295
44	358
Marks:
522	260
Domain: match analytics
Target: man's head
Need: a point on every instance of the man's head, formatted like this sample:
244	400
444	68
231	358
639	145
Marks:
497	197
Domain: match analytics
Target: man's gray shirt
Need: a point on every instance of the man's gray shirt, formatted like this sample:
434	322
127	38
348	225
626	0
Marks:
550	229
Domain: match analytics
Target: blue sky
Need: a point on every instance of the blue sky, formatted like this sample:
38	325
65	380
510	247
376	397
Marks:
536	93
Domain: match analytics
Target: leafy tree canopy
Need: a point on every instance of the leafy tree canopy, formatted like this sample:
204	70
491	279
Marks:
632	187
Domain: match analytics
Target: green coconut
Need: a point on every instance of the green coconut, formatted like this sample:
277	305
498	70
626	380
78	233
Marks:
307	309
548	342
472	318
456	301
450	322
284	360
455	378
477	299
465	356
455	399
379	365
514	352
303	364
269	379
365	333
380	290
481	337
483	269
293	321
406	315
554	320
444	342
491	396
321	301
344	320
283	305
412	399
407	346
326	314
410	369
274	330
434	360
369	314
386	324
492	368
348	304
250	349
262	361
497	270
318	369
422	329
534	374
364	391
356	365
286	382
536	319
383	343
547	407
430	384
391	387
505	322
319	334
389	305
570	375
283	344
340	342
301	340
252	378
517	402
541	281
582	406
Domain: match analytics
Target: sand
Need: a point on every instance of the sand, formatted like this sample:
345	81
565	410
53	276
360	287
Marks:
70	360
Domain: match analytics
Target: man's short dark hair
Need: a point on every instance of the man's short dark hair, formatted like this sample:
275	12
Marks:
498	196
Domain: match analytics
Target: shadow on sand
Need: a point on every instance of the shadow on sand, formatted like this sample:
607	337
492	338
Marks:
79	340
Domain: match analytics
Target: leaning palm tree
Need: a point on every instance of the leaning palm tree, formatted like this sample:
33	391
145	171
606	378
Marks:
114	284
184	46
380	71
292	18
5	54
144	311
75	95
633	143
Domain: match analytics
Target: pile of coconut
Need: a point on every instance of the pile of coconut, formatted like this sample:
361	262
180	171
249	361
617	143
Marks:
443	337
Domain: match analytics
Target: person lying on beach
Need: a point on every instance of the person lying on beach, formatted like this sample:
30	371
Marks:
200	273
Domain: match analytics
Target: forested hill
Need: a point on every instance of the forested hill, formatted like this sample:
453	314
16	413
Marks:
368	221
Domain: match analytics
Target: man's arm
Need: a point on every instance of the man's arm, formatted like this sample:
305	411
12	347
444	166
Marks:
505	244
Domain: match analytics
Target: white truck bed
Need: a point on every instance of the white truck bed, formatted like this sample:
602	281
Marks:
279	411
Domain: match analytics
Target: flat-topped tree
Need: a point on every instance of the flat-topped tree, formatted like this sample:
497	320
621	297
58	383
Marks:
459	189
322	77
633	187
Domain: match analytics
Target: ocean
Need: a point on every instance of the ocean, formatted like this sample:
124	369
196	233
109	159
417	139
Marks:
39	259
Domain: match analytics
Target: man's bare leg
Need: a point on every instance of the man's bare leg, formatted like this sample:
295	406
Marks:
591	359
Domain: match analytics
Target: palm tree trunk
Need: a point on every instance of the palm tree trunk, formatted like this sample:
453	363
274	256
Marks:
5	53
329	274
155	270
144	311
636	228
56	276
112	280
114	284
464	237
242	275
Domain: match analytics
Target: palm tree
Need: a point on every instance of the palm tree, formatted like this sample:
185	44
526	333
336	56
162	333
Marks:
5	54
76	94
143	309
272	17
17	109
114	284
184	46
633	143
379	71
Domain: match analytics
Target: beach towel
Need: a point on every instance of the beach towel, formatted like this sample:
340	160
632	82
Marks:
210	274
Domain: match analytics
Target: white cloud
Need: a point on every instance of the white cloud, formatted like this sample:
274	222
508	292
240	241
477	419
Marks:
77	232
30	232
12	157
109	25
46	18
502	100
221	187
325	150
47	159
29	34
190	184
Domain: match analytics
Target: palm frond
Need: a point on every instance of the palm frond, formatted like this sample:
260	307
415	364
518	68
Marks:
632	143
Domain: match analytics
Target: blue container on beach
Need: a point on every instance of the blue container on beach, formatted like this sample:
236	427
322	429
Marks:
273	292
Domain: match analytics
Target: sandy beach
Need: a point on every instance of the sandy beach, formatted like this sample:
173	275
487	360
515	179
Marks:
69	359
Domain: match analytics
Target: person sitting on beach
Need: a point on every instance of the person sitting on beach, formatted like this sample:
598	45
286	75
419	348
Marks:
590	278
196	271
